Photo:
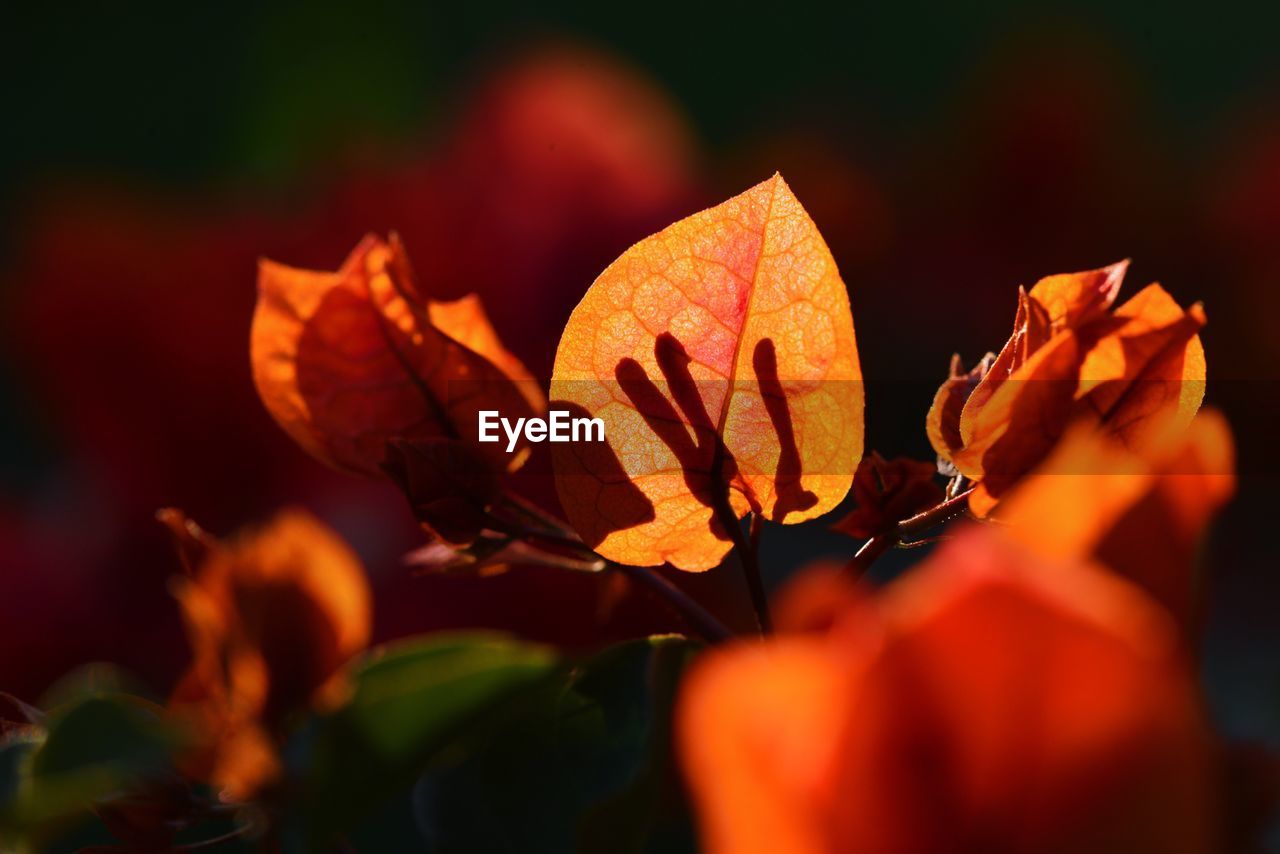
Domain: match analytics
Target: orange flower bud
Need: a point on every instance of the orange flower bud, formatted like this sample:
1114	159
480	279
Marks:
1070	358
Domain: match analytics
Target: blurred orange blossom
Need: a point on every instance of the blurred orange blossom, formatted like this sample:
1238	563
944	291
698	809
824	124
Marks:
1142	513
272	617
994	699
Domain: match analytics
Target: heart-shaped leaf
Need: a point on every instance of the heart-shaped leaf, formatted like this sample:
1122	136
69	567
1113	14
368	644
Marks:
720	355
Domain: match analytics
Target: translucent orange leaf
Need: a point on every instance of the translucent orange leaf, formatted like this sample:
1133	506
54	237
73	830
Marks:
720	354
1149	369
348	361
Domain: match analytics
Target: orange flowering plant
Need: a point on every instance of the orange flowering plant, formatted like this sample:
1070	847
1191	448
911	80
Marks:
1029	685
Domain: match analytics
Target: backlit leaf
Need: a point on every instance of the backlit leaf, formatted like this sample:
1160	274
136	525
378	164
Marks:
720	354
348	361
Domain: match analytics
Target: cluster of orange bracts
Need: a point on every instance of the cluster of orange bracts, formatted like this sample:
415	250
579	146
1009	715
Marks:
1016	691
1070	358
1026	687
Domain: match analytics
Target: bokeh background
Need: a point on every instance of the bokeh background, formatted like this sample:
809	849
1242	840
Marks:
152	153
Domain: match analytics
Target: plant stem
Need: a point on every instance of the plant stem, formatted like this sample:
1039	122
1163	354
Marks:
698	617
750	560
521	551
875	547
711	629
933	517
870	552
755	584
533	511
755	579
757	525
213	842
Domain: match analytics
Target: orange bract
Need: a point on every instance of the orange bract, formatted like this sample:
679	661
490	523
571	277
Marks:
989	701
272	618
1070	358
348	361
819	596
758	725
720	354
1142	515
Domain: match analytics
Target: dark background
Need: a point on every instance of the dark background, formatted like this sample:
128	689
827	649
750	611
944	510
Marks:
152	152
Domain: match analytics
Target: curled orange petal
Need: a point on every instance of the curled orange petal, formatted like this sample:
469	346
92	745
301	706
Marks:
348	361
1149	368
943	422
1070	300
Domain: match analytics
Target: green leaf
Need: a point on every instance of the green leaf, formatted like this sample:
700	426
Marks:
121	733
15	754
410	701
592	748
650	813
90	749
94	679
